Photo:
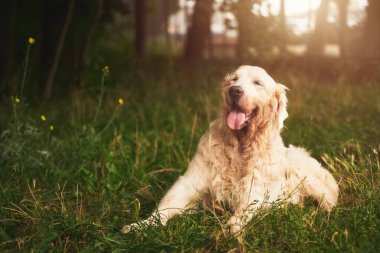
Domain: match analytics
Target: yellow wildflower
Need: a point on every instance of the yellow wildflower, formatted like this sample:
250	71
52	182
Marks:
106	70
121	101
51	127
17	100
43	118
31	41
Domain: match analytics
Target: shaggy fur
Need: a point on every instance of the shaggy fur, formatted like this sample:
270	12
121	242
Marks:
242	160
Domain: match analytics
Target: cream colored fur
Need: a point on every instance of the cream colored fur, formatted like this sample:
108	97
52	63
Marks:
248	168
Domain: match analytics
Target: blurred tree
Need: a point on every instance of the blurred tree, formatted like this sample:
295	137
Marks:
8	15
246	29
199	31
170	7
85	17
371	35
343	28
18	21
258	33
283	27
158	14
63	30
140	29
318	38
84	35
52	21
58	50
167	10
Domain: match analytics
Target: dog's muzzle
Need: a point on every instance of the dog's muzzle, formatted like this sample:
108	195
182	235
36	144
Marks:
235	93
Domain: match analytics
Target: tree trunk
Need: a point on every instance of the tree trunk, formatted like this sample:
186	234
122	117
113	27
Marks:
199	31
282	17
371	35
92	23
52	23
318	39
140	29
58	51
8	13
246	31
342	5
166	13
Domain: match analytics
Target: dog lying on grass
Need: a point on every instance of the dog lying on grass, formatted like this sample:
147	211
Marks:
242	160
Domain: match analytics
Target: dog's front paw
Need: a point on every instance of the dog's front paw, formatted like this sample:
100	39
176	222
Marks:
138	225
130	227
235	225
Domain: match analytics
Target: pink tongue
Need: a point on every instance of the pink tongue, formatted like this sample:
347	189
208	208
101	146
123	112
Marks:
235	120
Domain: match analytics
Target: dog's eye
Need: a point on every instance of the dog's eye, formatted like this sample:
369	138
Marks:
257	83
235	78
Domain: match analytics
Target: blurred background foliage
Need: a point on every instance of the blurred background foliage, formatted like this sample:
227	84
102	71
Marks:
75	38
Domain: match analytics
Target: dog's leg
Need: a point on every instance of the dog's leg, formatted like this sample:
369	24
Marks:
255	193
321	186
181	195
241	217
251	198
314	180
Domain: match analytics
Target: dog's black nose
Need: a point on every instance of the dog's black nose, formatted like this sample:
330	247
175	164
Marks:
235	92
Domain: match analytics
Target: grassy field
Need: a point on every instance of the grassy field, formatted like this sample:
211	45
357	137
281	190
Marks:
70	182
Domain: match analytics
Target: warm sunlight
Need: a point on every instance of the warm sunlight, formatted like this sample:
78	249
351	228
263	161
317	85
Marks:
294	7
189	125
300	13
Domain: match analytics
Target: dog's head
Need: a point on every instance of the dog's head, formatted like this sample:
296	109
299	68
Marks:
252	98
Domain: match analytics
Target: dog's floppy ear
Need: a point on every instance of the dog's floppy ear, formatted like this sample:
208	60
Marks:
281	105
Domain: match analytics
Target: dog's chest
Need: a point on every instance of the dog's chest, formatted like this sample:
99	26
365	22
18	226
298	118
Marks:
227	172
232	174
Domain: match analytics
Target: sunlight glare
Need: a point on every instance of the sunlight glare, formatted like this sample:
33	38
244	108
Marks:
296	7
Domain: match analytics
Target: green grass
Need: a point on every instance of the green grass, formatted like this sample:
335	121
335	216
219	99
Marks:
73	188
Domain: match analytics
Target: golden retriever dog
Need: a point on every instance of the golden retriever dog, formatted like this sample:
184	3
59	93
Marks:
242	161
